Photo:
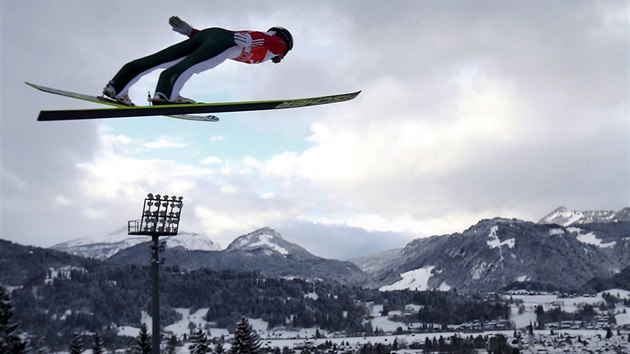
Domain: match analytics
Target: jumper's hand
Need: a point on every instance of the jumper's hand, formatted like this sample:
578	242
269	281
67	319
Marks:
244	39
180	26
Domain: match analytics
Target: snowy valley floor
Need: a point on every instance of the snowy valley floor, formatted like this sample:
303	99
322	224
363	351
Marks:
561	340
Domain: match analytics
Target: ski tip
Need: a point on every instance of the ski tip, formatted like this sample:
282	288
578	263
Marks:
36	86
42	117
354	94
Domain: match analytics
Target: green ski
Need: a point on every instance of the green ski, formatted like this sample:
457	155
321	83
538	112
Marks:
181	109
109	102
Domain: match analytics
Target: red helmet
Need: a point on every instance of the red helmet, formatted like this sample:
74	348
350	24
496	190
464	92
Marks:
284	34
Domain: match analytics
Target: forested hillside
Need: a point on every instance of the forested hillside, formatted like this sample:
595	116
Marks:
59	295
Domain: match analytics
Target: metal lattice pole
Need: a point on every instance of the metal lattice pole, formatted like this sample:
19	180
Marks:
155	294
160	217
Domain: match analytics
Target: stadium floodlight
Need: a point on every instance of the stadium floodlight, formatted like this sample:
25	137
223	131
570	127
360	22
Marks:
159	218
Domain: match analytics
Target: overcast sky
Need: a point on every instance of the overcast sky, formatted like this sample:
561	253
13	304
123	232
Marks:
469	110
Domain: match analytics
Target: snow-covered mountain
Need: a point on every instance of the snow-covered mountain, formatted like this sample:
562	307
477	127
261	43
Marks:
499	252
565	217
268	241
103	247
564	249
263	251
192	241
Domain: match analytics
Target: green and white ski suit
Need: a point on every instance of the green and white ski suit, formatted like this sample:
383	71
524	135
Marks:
203	50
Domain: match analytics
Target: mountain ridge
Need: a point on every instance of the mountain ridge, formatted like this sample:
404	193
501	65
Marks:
496	253
565	217
566	247
104	247
263	250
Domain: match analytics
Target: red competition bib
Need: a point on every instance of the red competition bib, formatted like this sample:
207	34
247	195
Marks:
265	48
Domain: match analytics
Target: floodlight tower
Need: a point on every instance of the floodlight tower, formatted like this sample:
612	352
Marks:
160	217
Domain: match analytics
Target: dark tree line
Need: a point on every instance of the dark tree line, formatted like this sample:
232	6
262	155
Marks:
92	298
10	340
587	313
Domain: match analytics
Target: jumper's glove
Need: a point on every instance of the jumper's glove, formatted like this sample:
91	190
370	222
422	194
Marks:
180	26
244	39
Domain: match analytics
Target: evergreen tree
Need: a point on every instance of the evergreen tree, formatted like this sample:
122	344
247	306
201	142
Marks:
427	345
199	343
308	347
36	345
97	347
219	348
246	341
171	346
76	344
498	344
10	341
143	341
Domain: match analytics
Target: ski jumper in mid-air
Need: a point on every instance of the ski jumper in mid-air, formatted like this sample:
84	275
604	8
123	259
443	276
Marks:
203	50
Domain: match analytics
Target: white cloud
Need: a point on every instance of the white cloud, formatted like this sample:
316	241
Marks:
63	200
165	142
217	138
226	224
113	174
211	160
282	165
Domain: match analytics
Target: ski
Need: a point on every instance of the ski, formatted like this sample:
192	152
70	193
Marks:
110	102
185	109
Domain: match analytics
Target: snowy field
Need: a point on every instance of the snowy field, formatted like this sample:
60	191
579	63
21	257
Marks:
562	341
417	279
566	341
570	304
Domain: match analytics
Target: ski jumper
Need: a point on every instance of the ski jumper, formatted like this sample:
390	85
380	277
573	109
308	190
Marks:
203	50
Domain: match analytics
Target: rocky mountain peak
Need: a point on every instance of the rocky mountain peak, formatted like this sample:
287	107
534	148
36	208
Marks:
103	247
262	239
623	214
565	217
500	252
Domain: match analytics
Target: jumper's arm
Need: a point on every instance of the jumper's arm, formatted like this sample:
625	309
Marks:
181	26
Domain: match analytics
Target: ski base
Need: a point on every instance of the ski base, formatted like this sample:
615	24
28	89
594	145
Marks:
208	118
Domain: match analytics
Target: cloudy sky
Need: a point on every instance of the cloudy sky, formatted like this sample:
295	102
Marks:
469	110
